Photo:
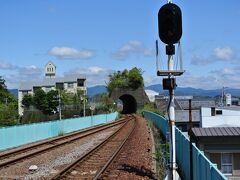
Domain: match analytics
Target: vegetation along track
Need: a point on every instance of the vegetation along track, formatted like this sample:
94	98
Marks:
94	162
13	156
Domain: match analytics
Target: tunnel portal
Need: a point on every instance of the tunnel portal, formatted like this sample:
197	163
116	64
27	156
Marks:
129	104
131	99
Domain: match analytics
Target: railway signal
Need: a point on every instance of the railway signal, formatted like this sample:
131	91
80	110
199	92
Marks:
170	23
170	33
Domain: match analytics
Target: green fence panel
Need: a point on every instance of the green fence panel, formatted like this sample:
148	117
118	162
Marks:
23	134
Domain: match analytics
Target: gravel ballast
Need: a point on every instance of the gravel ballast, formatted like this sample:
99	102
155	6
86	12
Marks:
51	162
135	159
133	162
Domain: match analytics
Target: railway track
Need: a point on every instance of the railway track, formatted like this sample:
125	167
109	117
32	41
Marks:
94	162
14	156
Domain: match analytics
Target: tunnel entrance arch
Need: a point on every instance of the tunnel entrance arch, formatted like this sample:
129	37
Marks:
132	99
129	104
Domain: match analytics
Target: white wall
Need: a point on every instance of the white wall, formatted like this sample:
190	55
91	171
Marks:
229	118
20	97
72	90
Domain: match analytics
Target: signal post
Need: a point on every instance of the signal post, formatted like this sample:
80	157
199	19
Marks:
170	32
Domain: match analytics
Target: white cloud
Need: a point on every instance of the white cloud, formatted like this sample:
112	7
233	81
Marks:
149	80
130	48
22	74
135	43
215	79
30	72
71	53
204	82
95	75
149	52
7	66
225	53
224	72
197	60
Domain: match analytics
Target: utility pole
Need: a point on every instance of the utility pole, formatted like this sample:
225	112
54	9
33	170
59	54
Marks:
92	108
190	137
84	101
223	96
83	98
59	101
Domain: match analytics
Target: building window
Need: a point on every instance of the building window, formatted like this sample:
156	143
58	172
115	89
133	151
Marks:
70	85
24	93
213	111
218	112
80	82
35	88
226	163
60	86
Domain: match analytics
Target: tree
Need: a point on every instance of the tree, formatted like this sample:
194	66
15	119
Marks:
27	101
46	102
135	79
8	106
126	79
39	99
2	83
52	102
8	115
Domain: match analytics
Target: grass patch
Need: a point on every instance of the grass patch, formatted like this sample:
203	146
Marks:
161	154
149	107
60	133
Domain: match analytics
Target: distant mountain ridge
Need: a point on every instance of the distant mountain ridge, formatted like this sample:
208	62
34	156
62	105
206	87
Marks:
180	91
188	91
92	91
14	92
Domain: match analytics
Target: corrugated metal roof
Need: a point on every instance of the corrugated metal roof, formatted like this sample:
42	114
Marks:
216	131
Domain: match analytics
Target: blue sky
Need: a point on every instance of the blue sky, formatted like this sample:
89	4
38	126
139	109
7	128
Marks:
96	38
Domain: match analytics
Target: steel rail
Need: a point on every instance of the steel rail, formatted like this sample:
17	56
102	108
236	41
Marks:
87	154
100	172
53	143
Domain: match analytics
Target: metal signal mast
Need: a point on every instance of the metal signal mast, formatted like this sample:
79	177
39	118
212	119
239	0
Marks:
170	32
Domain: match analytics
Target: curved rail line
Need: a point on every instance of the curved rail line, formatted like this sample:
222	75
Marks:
13	156
93	163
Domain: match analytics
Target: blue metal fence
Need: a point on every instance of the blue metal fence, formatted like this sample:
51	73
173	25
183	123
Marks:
159	121
182	154
202	167
23	134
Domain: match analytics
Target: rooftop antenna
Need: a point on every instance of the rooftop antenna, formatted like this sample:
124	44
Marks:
170	33
223	95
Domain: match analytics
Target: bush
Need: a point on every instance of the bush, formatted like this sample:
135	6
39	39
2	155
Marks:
150	107
8	115
126	79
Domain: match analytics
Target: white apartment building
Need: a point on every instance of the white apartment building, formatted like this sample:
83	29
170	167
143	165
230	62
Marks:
220	116
70	83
